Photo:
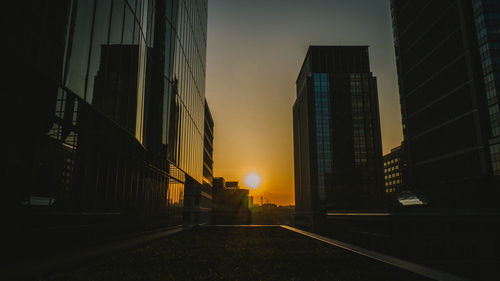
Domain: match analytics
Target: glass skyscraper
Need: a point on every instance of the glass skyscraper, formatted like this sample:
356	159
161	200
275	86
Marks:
448	62
487	23
113	102
337	141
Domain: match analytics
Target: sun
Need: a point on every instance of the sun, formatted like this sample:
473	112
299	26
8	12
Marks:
252	180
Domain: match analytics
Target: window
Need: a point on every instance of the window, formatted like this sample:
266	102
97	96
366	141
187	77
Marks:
99	39
78	49
323	131
116	29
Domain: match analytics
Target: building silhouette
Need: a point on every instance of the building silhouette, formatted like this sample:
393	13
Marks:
336	127
232	184
219	183
113	102
448	65
230	203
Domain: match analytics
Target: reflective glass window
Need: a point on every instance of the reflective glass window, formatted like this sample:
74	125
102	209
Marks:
128	27
323	131
79	46
118	12
99	39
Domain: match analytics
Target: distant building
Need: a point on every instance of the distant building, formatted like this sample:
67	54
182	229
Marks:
250	201
230	204
269	205
449	81
336	128
232	184
394	170
270	214
219	183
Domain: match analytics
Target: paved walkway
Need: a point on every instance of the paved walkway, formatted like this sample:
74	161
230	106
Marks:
237	253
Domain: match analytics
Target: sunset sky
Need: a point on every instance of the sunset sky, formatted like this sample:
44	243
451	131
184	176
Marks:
255	51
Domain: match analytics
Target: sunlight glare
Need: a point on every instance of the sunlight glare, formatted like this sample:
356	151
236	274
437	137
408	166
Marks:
252	180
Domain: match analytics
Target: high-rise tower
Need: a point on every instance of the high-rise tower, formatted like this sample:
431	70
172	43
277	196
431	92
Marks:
336	127
449	76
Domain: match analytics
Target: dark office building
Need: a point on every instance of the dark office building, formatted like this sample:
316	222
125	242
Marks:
232	184
219	183
447	58
336	127
108	105
395	170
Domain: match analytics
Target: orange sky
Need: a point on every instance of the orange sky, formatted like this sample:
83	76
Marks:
255	50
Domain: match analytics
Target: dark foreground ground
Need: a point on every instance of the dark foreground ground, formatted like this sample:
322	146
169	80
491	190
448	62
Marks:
236	253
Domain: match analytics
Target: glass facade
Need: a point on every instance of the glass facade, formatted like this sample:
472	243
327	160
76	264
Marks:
115	102
188	77
109	50
360	109
336	133
323	131
487	22
446	55
363	128
106	57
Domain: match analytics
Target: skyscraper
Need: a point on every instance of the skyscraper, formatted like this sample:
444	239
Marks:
113	102
336	128
448	81
487	24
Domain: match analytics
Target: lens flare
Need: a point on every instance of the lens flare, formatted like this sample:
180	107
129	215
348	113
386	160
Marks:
252	180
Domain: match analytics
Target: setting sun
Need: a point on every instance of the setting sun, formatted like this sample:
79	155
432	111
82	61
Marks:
252	180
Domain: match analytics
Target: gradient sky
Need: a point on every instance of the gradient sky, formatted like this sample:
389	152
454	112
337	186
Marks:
255	51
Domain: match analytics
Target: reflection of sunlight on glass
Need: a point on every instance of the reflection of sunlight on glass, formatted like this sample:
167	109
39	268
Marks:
407	198
252	180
